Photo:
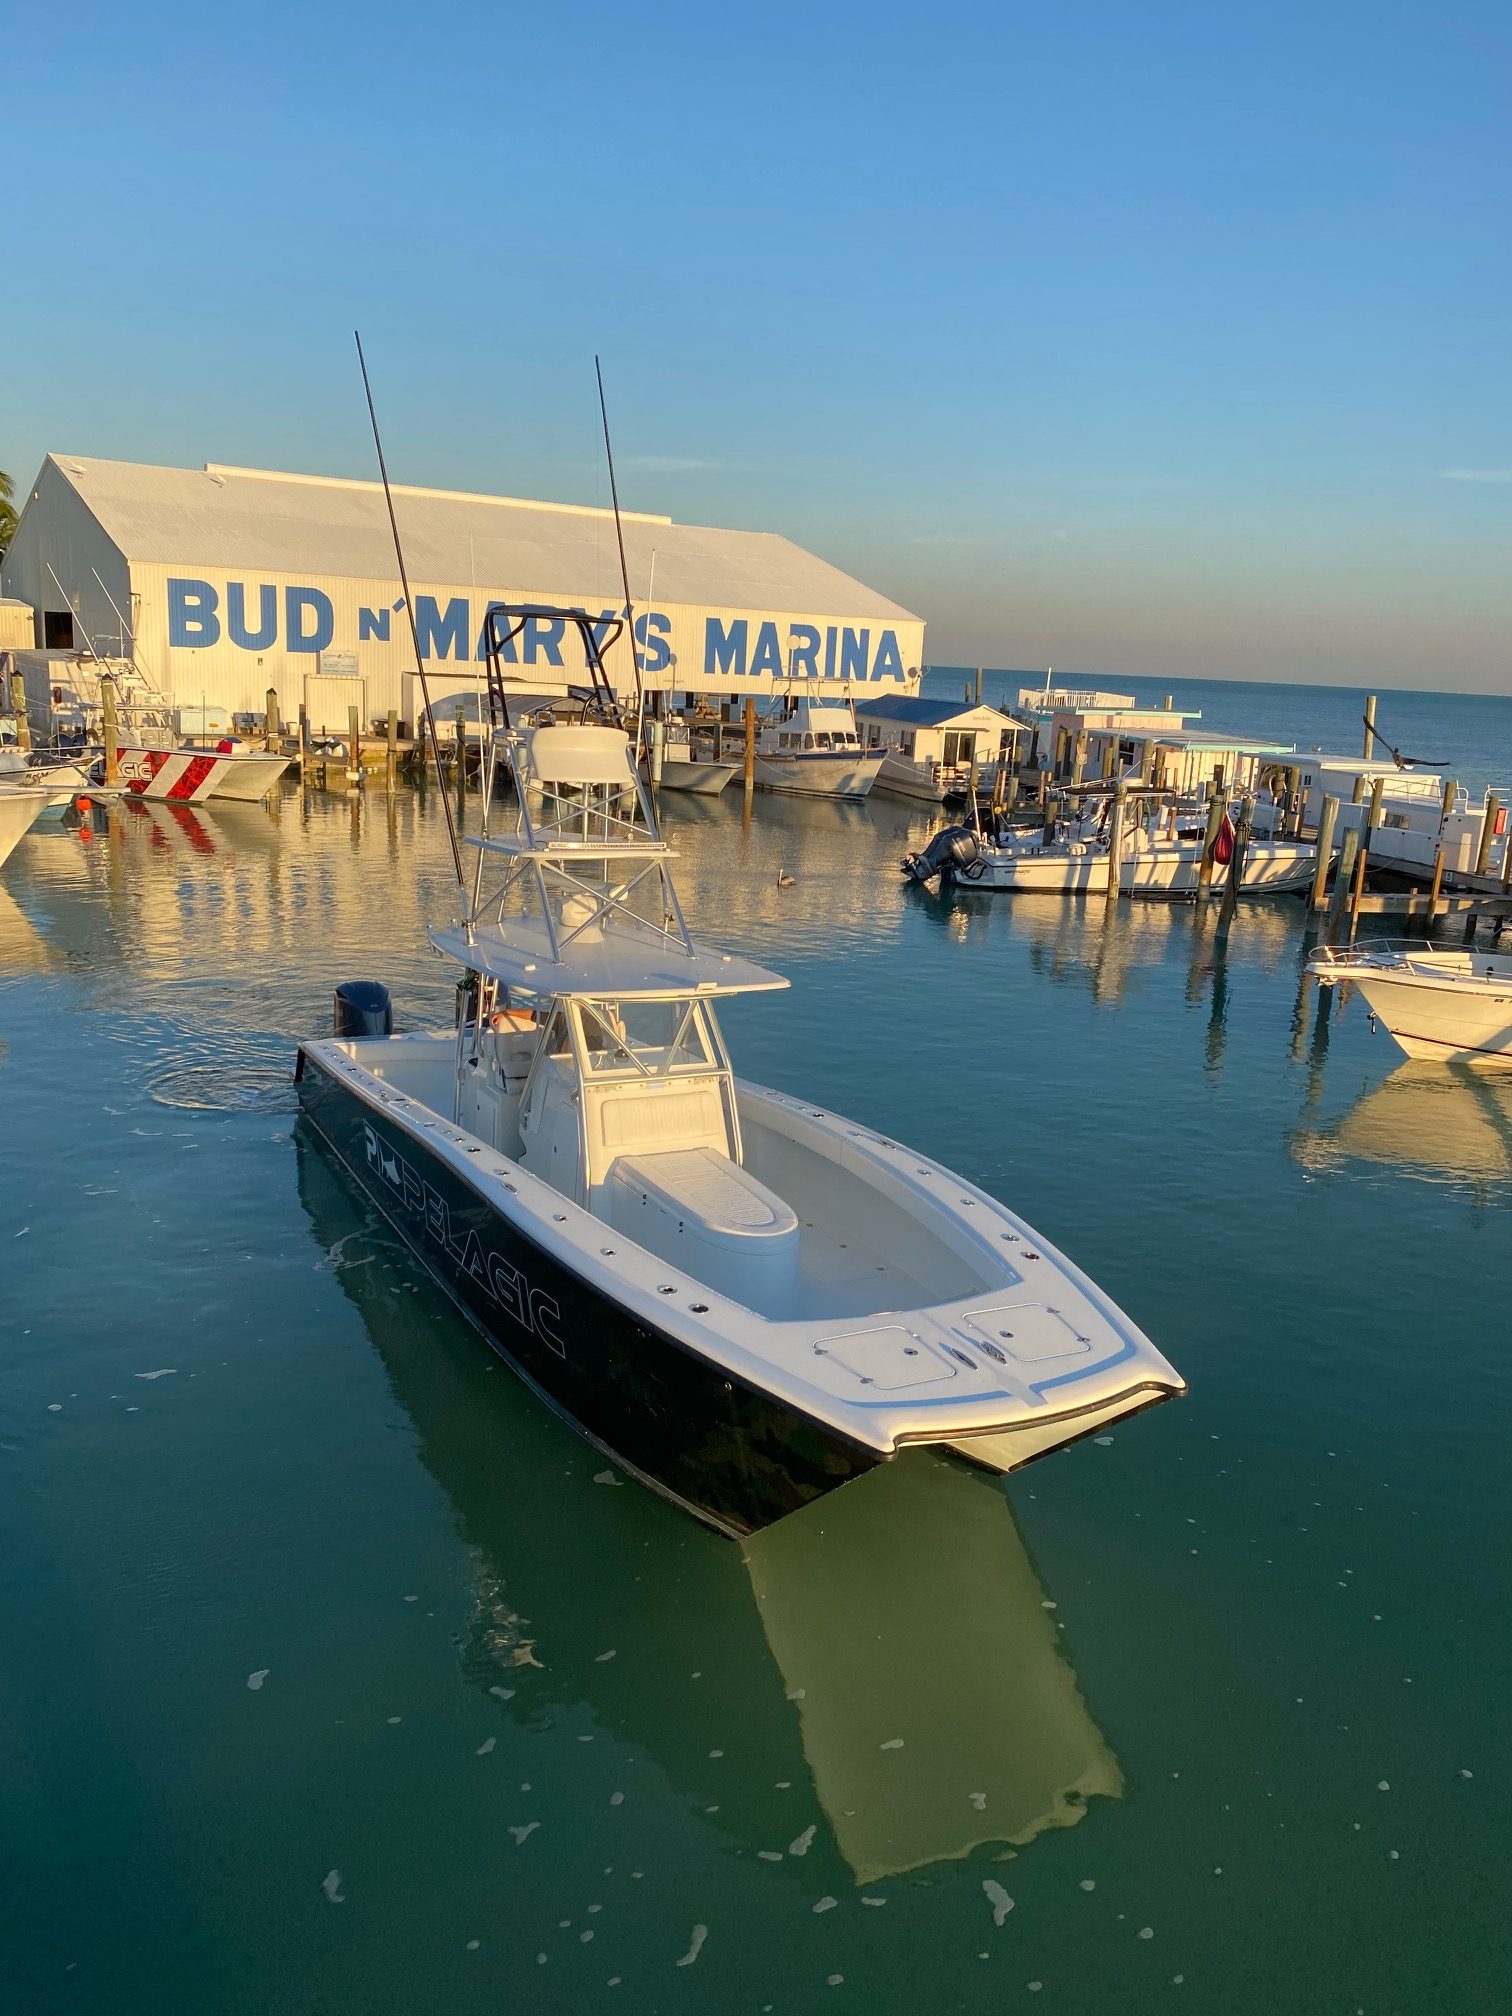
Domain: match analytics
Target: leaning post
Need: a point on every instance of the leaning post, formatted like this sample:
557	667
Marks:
108	723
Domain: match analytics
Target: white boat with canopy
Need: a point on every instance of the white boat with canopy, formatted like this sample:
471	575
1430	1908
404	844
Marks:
743	1298
1451	1003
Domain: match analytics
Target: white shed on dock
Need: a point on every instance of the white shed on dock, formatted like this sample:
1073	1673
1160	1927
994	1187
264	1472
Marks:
932	744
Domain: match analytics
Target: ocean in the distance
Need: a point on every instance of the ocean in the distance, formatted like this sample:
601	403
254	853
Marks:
1466	735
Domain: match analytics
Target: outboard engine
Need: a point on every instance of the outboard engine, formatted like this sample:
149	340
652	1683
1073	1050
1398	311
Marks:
952	851
363	1008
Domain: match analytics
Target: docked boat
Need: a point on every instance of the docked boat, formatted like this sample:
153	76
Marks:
742	1298
1454	1004
1075	860
20	809
813	749
187	773
688	765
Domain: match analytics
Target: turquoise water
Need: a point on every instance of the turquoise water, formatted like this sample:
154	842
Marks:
336	1675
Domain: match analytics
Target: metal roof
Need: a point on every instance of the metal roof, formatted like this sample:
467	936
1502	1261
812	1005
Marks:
248	519
924	712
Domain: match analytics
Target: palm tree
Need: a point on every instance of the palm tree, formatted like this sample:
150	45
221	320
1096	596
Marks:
7	511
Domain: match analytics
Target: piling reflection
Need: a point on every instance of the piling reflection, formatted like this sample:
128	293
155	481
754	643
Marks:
1441	1123
893	1649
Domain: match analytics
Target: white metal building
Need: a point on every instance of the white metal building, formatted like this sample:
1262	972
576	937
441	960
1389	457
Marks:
220	583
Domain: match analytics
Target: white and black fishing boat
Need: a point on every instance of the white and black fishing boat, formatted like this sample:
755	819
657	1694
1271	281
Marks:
743	1298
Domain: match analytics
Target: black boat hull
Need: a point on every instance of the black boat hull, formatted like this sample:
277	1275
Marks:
727	1452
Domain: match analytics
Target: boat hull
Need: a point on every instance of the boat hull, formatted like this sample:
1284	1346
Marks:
731	1454
814	774
691	774
20	809
1444	1020
1270	869
189	776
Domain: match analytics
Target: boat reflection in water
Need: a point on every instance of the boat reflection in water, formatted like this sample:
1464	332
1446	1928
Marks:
838	1648
873	1598
1443	1123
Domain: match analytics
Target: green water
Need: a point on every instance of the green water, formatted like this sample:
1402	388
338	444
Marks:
1219	1702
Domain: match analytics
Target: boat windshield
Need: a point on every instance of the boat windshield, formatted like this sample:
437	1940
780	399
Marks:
648	1039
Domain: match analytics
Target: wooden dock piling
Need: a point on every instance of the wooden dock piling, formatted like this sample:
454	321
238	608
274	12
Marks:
1115	847
18	706
1370	711
1328	819
354	747
1487	834
1348	853
304	745
1235	880
1217	806
461	764
750	744
272	726
108	723
391	750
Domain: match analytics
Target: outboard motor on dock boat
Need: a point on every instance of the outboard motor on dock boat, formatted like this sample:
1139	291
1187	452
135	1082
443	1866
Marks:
952	850
363	1008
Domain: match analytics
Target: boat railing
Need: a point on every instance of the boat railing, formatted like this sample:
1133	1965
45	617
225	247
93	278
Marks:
1401	955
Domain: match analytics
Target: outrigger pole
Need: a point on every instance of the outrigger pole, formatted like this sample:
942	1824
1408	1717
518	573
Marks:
619	533
409	610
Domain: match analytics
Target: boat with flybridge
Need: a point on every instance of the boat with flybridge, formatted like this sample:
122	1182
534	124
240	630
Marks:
741	1297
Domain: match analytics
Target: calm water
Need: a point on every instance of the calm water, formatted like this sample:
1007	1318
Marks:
1466	735
336	1675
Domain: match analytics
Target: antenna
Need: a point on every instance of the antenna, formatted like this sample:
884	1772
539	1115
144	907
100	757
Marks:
619	533
409	610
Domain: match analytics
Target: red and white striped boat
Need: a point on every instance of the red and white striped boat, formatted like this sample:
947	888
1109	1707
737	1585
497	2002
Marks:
187	775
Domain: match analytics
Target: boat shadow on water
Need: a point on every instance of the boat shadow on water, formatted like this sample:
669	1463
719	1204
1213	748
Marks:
821	1640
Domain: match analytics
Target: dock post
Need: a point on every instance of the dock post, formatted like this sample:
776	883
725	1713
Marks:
1328	818
1215	812
18	704
979	686
391	750
272	726
750	744
1115	847
1348	852
1433	894
1235	880
108	724
354	747
304	744
1362	862
461	762
1370	707
1487	834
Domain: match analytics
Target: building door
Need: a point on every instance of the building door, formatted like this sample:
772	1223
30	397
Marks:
57	630
959	746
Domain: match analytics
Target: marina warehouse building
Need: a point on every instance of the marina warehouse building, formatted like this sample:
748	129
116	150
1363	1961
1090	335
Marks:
218	583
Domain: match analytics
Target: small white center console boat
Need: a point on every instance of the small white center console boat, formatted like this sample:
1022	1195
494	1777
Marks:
1434	1001
743	1298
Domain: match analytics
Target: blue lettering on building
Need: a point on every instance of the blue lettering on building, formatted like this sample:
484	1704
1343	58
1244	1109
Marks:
855	651
442	633
507	649
724	649
300	603
266	634
373	623
192	622
766	659
651	633
543	636
803	651
889	663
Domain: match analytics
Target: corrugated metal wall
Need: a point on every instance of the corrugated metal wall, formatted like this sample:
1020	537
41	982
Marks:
202	633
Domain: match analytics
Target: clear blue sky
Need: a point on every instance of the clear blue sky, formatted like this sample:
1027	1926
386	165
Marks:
1130	339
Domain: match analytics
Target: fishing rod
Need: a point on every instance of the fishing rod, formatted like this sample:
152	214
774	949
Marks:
409	610
619	533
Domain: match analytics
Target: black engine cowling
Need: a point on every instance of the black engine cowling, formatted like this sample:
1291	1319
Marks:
363	1008
952	851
